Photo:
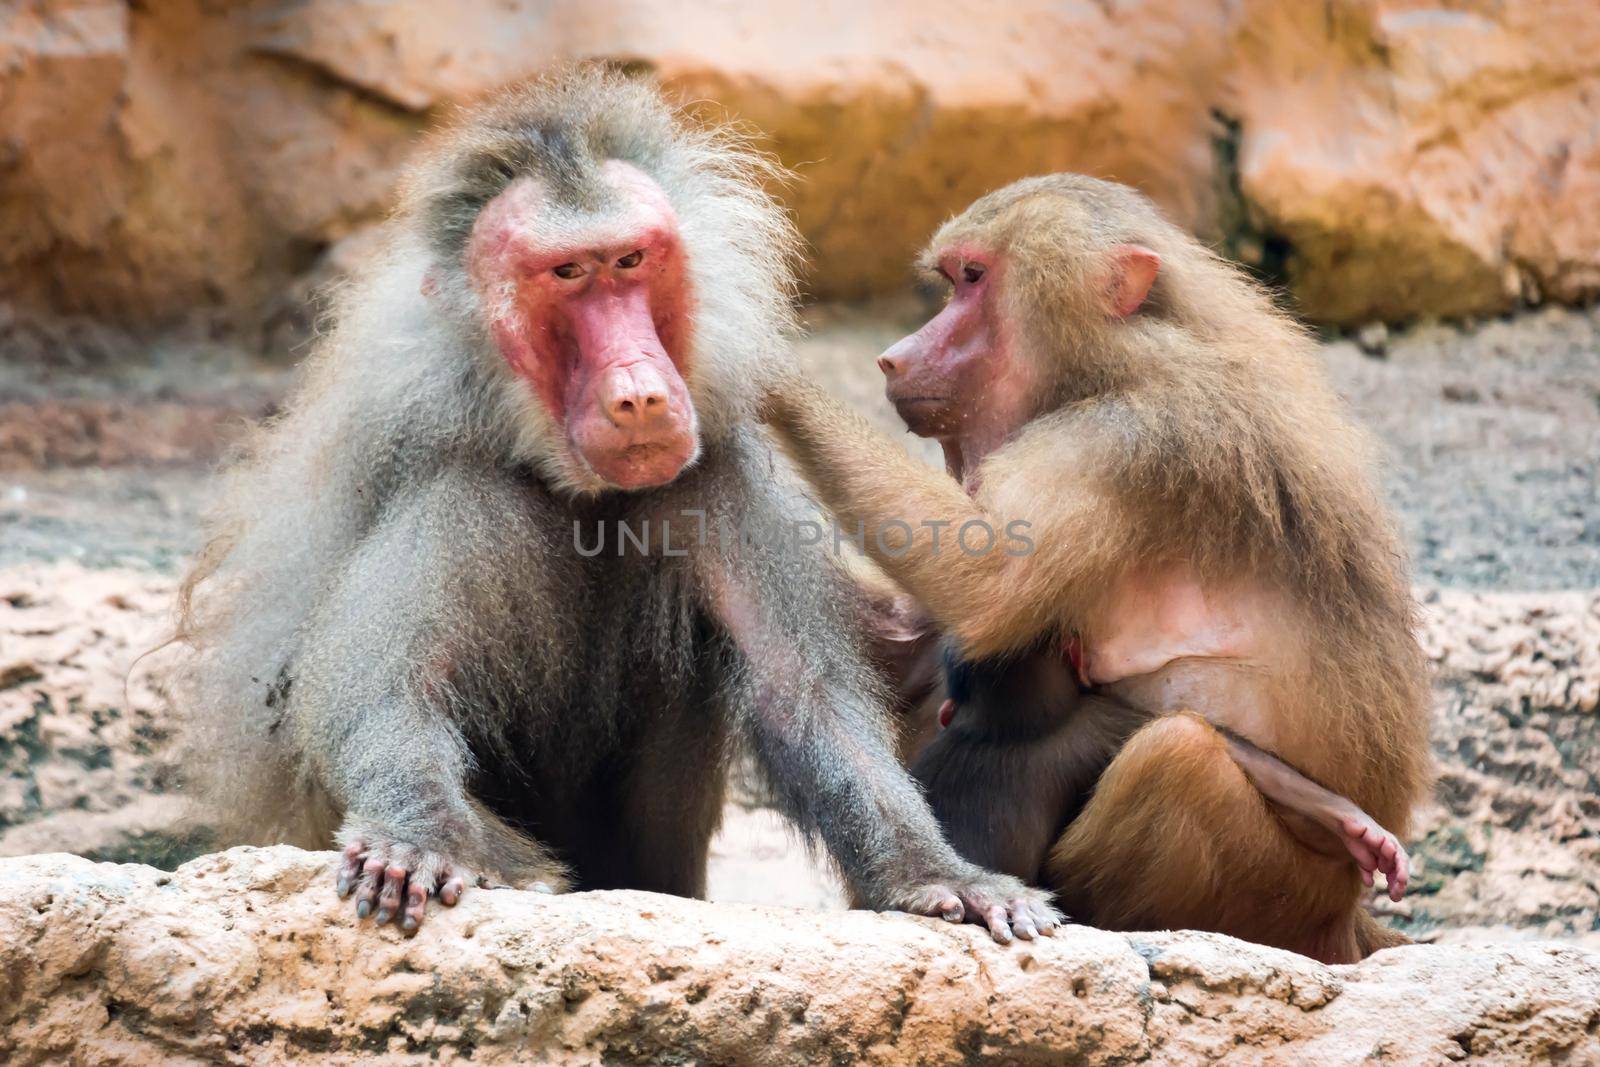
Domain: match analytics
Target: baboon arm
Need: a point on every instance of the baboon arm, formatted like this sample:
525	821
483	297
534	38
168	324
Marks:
1043	557
387	753
401	770
421	593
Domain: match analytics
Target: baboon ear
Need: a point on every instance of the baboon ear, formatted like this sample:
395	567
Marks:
1133	272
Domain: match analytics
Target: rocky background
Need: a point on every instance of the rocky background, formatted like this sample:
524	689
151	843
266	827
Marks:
177	179
1386	159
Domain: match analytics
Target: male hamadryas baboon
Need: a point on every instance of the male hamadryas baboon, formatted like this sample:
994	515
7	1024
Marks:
395	642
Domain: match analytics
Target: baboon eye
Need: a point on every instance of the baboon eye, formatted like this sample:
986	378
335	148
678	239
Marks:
631	259
568	271
972	272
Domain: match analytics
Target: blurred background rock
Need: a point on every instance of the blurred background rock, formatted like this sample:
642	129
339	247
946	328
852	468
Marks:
1385	159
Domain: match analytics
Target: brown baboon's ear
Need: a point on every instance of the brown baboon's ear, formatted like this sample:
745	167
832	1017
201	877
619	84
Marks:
1133	272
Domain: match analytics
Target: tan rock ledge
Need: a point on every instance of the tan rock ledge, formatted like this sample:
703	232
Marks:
246	956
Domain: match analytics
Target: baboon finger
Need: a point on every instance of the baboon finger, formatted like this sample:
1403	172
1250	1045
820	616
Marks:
394	882
1387	850
1399	874
949	908
416	907
999	928
371	882
350	868
1022	922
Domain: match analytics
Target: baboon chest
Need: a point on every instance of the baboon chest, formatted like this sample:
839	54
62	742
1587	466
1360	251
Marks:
631	709
639	647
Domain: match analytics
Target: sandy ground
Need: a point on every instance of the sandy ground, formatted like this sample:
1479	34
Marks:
1493	436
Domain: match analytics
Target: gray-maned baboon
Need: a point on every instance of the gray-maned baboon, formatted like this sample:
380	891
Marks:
403	636
1205	547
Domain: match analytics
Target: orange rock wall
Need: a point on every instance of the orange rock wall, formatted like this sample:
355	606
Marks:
1387	159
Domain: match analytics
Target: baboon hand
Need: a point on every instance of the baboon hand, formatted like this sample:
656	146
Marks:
1001	903
394	880
1376	849
770	403
777	390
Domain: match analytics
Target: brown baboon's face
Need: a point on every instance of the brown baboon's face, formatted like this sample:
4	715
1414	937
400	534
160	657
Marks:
962	372
981	368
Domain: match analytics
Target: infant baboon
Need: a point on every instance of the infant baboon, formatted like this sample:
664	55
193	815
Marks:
1016	748
419	627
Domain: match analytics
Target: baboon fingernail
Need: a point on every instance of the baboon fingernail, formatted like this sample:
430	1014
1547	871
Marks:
344	887
409	924
363	909
384	915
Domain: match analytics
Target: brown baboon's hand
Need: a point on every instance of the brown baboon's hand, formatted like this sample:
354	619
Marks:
769	404
1376	849
395	880
782	393
1002	904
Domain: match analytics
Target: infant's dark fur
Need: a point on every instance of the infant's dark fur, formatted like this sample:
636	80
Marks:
1020	758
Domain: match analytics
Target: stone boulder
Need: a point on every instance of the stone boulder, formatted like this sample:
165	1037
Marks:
1384	158
246	956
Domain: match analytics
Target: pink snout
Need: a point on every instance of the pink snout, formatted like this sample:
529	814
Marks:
638	428
637	400
902	354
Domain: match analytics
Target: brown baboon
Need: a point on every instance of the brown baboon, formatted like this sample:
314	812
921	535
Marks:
461	610
1160	487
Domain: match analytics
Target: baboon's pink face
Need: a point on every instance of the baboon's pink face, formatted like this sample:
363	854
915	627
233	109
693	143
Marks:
961	369
593	314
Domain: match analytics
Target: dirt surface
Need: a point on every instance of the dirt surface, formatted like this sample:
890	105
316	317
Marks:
108	460
1494	435
1494	439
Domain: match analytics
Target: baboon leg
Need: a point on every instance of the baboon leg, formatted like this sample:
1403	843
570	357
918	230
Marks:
1177	837
671	807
